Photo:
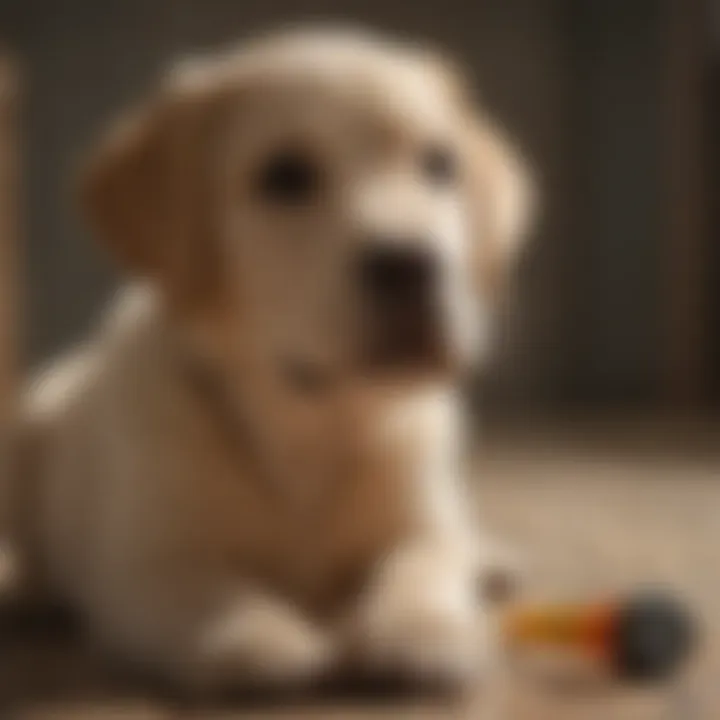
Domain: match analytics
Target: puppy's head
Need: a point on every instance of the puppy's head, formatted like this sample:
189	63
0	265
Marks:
329	200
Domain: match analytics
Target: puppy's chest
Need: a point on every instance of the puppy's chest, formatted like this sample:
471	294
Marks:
323	497
315	529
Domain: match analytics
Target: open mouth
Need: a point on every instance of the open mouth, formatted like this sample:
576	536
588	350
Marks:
401	355
403	350
403	339
407	344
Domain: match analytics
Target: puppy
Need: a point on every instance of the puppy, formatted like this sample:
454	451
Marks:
252	474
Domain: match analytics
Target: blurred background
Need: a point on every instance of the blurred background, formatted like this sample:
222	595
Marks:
615	103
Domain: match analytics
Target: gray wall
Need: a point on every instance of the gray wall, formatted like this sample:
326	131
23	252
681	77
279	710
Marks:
619	89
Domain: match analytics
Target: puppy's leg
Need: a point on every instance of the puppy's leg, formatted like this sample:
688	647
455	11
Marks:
216	642
421	619
260	639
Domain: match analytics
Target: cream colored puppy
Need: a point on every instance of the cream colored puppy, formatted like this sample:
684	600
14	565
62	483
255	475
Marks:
252	473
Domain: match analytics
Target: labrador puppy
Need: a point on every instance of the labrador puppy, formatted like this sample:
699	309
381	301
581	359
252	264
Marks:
252	473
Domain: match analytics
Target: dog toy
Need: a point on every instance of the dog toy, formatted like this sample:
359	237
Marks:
645	637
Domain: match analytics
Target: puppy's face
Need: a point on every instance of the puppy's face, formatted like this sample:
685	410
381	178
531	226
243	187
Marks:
328	200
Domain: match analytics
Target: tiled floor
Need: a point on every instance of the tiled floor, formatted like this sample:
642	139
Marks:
606	509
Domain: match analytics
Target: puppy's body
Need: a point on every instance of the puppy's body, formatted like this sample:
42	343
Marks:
151	517
206	515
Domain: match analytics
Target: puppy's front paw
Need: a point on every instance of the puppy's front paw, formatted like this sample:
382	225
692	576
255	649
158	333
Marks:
421	626
264	642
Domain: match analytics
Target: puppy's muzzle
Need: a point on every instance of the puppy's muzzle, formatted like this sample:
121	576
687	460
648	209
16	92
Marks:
398	289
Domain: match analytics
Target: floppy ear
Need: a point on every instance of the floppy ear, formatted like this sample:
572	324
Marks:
502	195
502	198
149	191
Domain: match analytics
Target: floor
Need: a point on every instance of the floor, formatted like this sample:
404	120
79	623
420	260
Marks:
596	508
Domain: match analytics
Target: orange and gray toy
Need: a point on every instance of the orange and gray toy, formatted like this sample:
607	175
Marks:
645	637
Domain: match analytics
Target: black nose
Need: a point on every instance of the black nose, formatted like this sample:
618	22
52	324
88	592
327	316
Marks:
396	273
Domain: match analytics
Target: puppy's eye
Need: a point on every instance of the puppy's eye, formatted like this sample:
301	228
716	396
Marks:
289	178
439	165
